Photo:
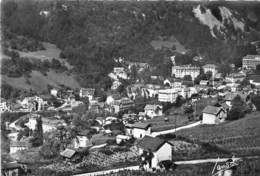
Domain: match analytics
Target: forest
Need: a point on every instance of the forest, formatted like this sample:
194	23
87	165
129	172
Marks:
90	34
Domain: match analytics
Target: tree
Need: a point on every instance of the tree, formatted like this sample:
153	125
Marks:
208	75
256	101
238	109
258	69
187	78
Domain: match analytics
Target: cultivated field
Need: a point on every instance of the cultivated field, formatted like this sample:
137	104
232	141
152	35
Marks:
241	137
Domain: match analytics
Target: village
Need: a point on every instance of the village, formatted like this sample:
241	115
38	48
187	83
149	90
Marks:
131	124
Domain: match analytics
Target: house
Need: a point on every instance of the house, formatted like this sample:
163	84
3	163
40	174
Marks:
13	169
87	92
204	82
235	77
115	85
167	95
68	153
152	110
213	115
250	61
48	124
120	72
112	98
82	140
169	82
122	105
3	106
153	150
138	130
210	68
254	80
122	138
54	92
34	103
183	70
16	146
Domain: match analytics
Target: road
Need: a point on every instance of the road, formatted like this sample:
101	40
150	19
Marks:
154	134
199	161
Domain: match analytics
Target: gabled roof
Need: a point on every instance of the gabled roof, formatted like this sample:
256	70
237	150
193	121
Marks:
212	110
152	107
68	153
140	125
152	144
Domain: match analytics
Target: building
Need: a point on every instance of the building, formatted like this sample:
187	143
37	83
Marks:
34	103
54	92
122	105
153	150
13	169
120	72
87	92
3	106
138	130
152	110
213	115
167	95
16	146
250	61
82	140
235	77
204	82
183	70
210	68
112	98
122	138
48	124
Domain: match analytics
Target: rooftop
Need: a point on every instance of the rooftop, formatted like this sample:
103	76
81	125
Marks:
211	110
139	125
150	143
68	153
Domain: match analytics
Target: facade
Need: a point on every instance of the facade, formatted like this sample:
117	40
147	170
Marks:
13	169
183	70
154	150
213	115
87	92
138	130
123	104
153	110
47	124
3	106
120	72
210	67
250	61
81	141
16	146
235	77
34	103
167	95
54	92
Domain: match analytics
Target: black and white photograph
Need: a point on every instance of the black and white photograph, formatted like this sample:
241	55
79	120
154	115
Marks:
130	87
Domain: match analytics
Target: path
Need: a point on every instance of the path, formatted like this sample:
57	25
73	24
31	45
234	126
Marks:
154	134
199	161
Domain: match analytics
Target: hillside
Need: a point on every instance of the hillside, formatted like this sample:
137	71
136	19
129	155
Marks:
91	34
240	136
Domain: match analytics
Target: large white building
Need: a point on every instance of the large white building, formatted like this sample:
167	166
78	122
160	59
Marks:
167	95
210	68
183	70
251	61
138	130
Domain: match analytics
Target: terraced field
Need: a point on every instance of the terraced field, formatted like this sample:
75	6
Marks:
241	137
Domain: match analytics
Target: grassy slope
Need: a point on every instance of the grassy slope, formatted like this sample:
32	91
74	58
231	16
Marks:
241	135
38	81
